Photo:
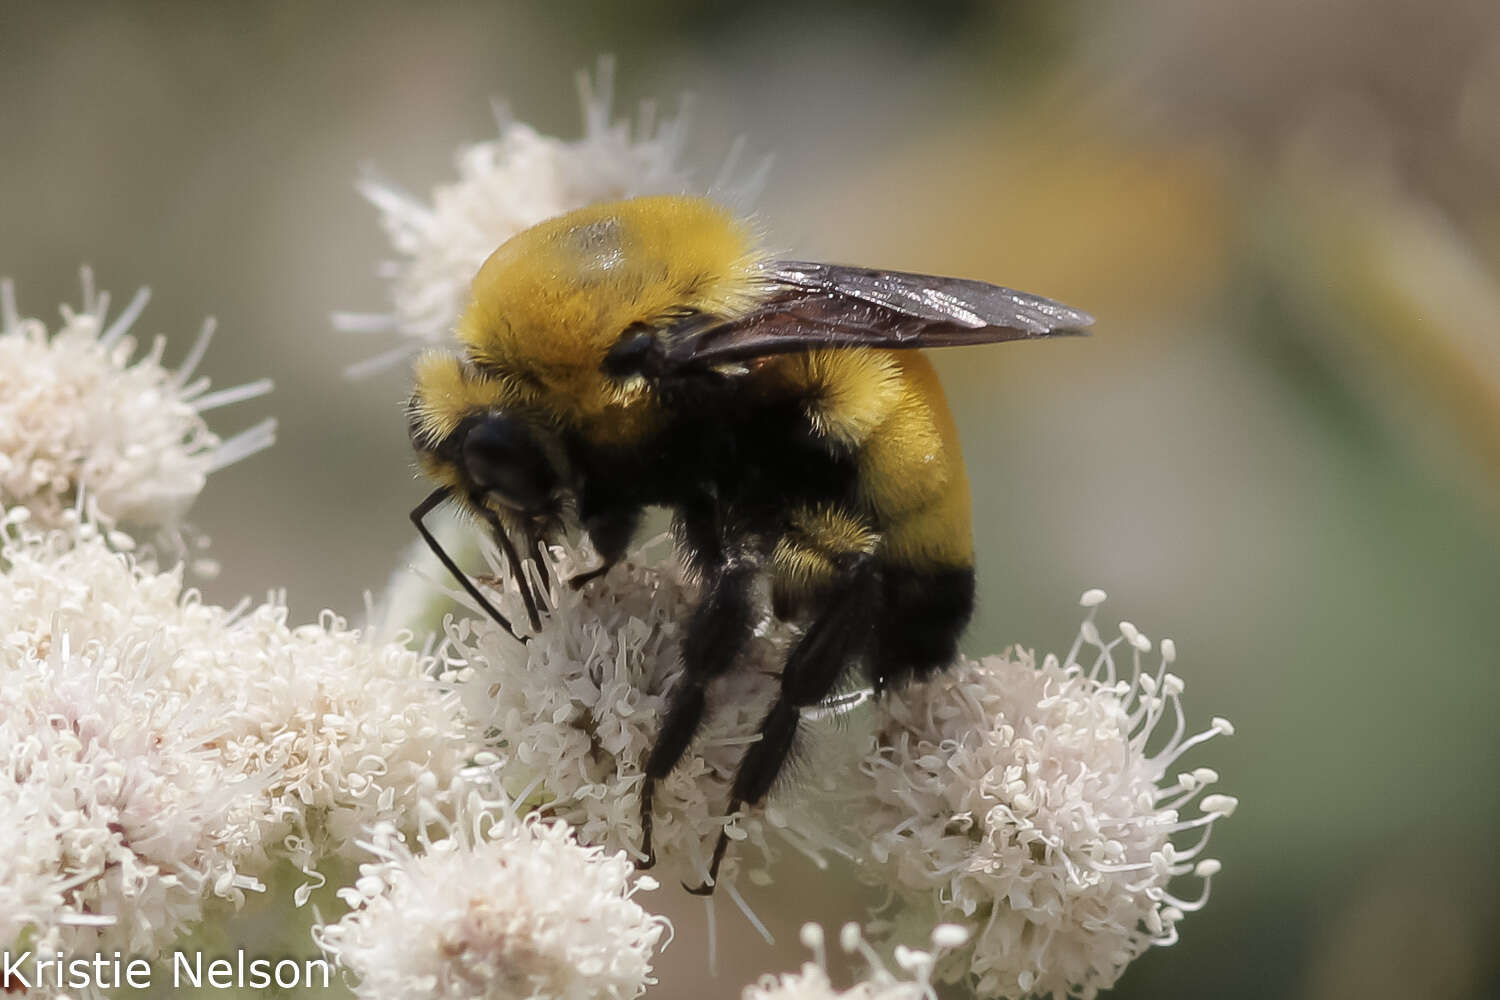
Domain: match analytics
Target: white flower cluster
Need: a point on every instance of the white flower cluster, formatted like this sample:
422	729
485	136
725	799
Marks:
119	818
509	184
571	716
813	982
499	908
81	423
169	747
1036	807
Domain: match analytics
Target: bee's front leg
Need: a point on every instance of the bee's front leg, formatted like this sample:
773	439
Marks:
610	532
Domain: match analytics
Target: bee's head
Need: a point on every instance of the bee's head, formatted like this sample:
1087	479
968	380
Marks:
498	459
473	436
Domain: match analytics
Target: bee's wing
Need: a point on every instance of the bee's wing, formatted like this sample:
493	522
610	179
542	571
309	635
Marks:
824	306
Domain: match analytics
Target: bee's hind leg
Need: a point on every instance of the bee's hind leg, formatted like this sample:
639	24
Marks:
716	634
841	632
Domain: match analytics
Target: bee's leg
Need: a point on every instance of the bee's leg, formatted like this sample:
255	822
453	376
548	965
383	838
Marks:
579	580
716	633
700	533
610	532
840	633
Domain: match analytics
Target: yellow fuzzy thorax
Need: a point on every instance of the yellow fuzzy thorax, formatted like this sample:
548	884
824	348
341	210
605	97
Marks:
550	302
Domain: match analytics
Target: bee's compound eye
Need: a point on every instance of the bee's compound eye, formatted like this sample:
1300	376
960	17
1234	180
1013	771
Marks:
502	457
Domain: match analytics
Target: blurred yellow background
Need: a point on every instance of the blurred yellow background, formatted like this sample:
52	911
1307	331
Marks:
1281	446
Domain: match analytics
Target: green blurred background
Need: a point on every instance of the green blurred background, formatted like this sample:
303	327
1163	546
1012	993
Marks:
1281	447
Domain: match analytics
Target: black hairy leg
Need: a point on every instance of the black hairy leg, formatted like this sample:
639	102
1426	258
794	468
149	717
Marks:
699	527
923	613
610	533
842	631
716	634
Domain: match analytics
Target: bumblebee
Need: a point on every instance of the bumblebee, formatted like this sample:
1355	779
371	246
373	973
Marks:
646	353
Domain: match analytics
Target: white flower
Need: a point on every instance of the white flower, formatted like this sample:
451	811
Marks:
335	731
510	184
572	715
81	422
1034	805
813	982
117	816
499	908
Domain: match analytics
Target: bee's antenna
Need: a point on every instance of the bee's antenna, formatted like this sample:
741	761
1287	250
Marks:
420	511
513	560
